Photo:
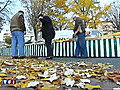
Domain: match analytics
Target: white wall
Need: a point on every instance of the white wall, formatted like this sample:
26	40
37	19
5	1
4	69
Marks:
63	34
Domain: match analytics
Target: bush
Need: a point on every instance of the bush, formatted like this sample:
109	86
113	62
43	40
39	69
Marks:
8	40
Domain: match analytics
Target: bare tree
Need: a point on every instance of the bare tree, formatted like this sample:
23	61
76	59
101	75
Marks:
114	15
4	12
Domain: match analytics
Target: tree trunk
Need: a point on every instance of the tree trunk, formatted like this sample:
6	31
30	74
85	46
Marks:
35	34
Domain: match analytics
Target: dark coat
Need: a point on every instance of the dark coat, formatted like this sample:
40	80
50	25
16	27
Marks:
81	22
48	32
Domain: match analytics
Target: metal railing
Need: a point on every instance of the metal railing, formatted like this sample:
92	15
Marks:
95	48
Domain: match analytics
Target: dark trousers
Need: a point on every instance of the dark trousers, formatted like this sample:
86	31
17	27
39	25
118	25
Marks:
49	47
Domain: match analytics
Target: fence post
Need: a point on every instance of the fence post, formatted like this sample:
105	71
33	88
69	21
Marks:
118	47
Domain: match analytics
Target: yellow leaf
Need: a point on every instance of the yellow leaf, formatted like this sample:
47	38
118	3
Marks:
2	75
24	83
48	88
17	85
44	79
107	7
10	71
88	86
77	70
44	68
57	82
0	79
60	3
32	76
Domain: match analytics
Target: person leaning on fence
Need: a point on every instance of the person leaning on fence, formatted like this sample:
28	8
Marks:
17	28
48	34
79	31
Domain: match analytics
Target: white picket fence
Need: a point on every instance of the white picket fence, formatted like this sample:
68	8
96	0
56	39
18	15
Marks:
95	48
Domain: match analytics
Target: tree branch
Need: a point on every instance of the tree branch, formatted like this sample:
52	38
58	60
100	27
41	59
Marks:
5	6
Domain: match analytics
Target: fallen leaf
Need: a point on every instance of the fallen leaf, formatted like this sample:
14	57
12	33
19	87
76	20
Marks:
2	75
90	87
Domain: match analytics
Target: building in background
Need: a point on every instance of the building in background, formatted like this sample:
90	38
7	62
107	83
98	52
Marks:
106	26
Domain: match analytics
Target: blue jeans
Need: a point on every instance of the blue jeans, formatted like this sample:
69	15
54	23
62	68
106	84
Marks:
81	46
18	39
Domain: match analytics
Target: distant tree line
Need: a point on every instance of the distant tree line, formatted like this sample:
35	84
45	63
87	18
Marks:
61	12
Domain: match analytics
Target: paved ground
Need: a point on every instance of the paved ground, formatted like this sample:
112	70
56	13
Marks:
113	61
105	85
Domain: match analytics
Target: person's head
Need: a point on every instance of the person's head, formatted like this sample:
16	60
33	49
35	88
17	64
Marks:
20	11
74	18
40	16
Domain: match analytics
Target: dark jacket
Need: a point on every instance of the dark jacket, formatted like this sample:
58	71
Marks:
48	32
80	22
17	22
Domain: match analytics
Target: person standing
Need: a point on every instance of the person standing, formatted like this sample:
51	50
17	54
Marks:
48	33
79	31
17	28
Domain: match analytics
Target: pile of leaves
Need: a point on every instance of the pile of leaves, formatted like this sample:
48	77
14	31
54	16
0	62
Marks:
51	74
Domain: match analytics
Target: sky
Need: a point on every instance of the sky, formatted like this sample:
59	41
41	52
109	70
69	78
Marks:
18	6
106	2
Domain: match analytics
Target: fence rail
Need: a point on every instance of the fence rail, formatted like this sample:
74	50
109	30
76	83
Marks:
95	48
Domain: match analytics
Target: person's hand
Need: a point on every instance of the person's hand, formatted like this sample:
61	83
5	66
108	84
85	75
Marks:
40	17
24	32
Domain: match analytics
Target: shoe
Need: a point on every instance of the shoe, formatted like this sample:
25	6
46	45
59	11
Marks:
33	56
14	57
75	56
84	57
21	57
48	58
